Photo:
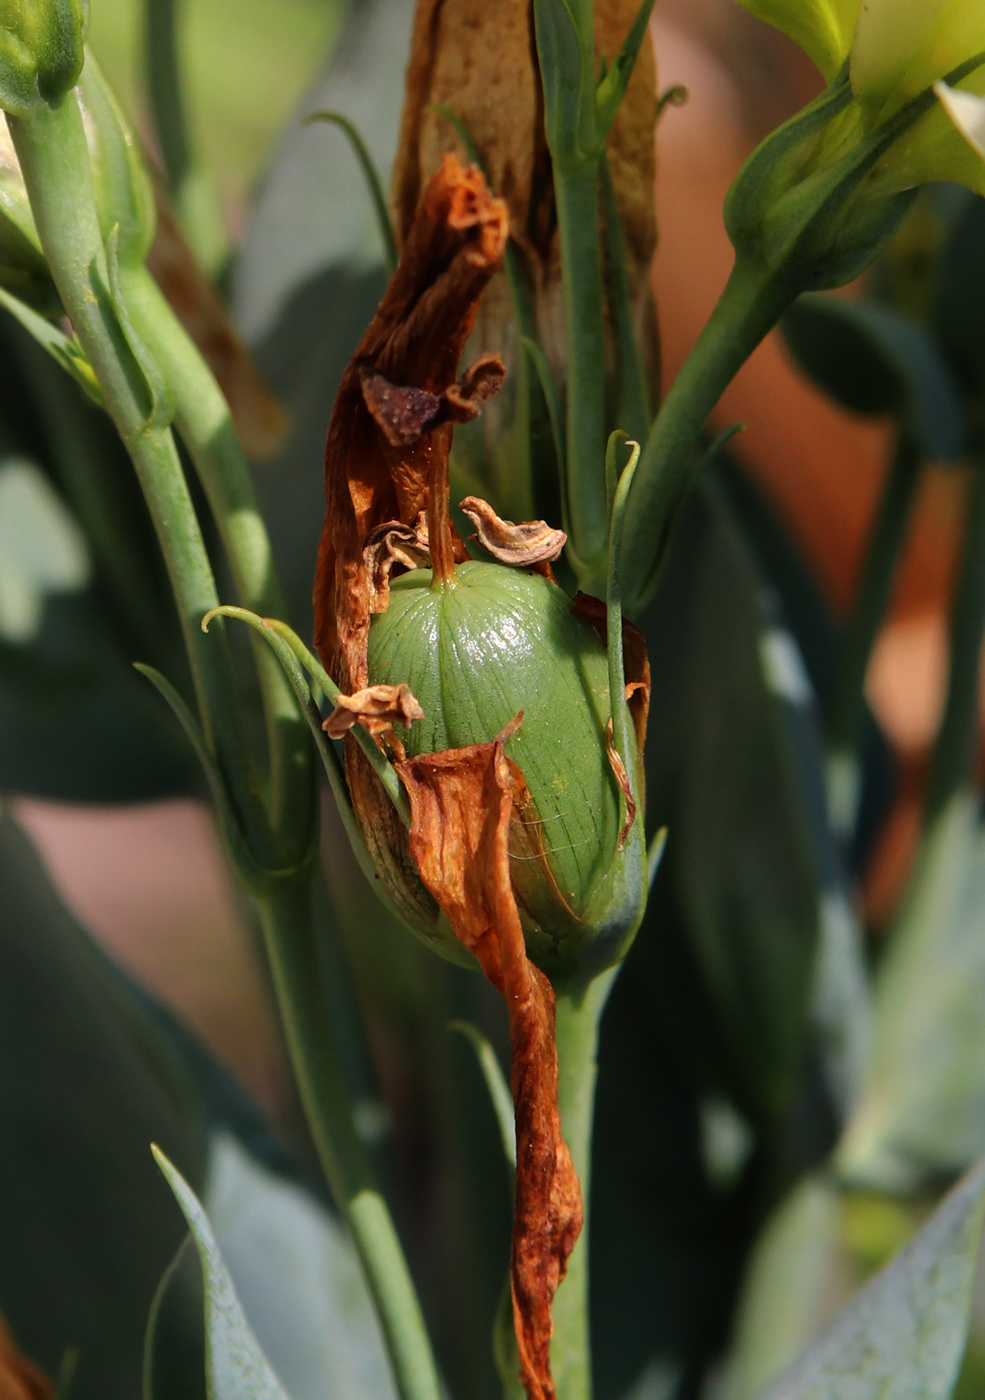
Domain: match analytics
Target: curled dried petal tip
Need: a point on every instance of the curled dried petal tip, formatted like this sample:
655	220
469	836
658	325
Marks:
532	542
378	708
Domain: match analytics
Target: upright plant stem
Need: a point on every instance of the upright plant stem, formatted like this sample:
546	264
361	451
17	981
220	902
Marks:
578	1015
54	157
291	948
206	427
957	737
847	702
749	307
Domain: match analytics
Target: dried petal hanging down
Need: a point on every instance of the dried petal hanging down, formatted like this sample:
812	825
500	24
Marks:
533	542
415	341
378	708
461	804
19	1380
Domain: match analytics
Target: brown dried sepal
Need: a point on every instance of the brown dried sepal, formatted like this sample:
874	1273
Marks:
636	663
533	542
461	804
377	708
19	1380
451	250
622	778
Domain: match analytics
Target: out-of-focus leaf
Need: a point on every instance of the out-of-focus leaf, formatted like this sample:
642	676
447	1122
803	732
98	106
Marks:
902	1337
76	721
282	1289
740	849
959	300
921	1116
174	1351
86	1082
299	1281
311	272
874	360
784	1286
236	1368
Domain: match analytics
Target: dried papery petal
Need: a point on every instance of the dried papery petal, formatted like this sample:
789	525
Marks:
377	708
19	1380
415	341
622	778
406	414
393	543
533	542
462	803
636	663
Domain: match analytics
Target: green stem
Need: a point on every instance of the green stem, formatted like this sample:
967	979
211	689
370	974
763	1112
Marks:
847	701
954	751
579	1013
577	196
632	403
205	423
752	302
289	935
54	157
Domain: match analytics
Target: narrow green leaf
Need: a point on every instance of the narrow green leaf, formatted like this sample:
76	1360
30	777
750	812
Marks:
236	1367
65	350
903	1335
499	1090
373	181
612	88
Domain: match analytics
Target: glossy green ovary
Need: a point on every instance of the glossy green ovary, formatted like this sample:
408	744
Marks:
498	641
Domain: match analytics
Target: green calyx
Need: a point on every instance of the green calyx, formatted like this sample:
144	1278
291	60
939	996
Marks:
492	642
41	51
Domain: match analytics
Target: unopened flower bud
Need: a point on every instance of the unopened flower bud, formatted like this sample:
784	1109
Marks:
41	51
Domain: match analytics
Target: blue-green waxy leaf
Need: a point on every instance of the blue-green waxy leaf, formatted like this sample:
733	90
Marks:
874	360
902	1337
236	1367
921	1114
495	642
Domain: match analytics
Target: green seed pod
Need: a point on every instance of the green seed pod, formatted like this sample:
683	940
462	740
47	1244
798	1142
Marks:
41	51
475	651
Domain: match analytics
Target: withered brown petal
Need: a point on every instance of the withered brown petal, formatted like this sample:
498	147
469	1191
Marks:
622	778
392	543
405	415
636	663
533	542
461	805
19	1380
377	708
451	250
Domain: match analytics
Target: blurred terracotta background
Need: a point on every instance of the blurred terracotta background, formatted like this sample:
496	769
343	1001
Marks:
150	881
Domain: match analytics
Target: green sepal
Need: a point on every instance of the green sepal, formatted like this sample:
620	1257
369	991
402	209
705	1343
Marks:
42	50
